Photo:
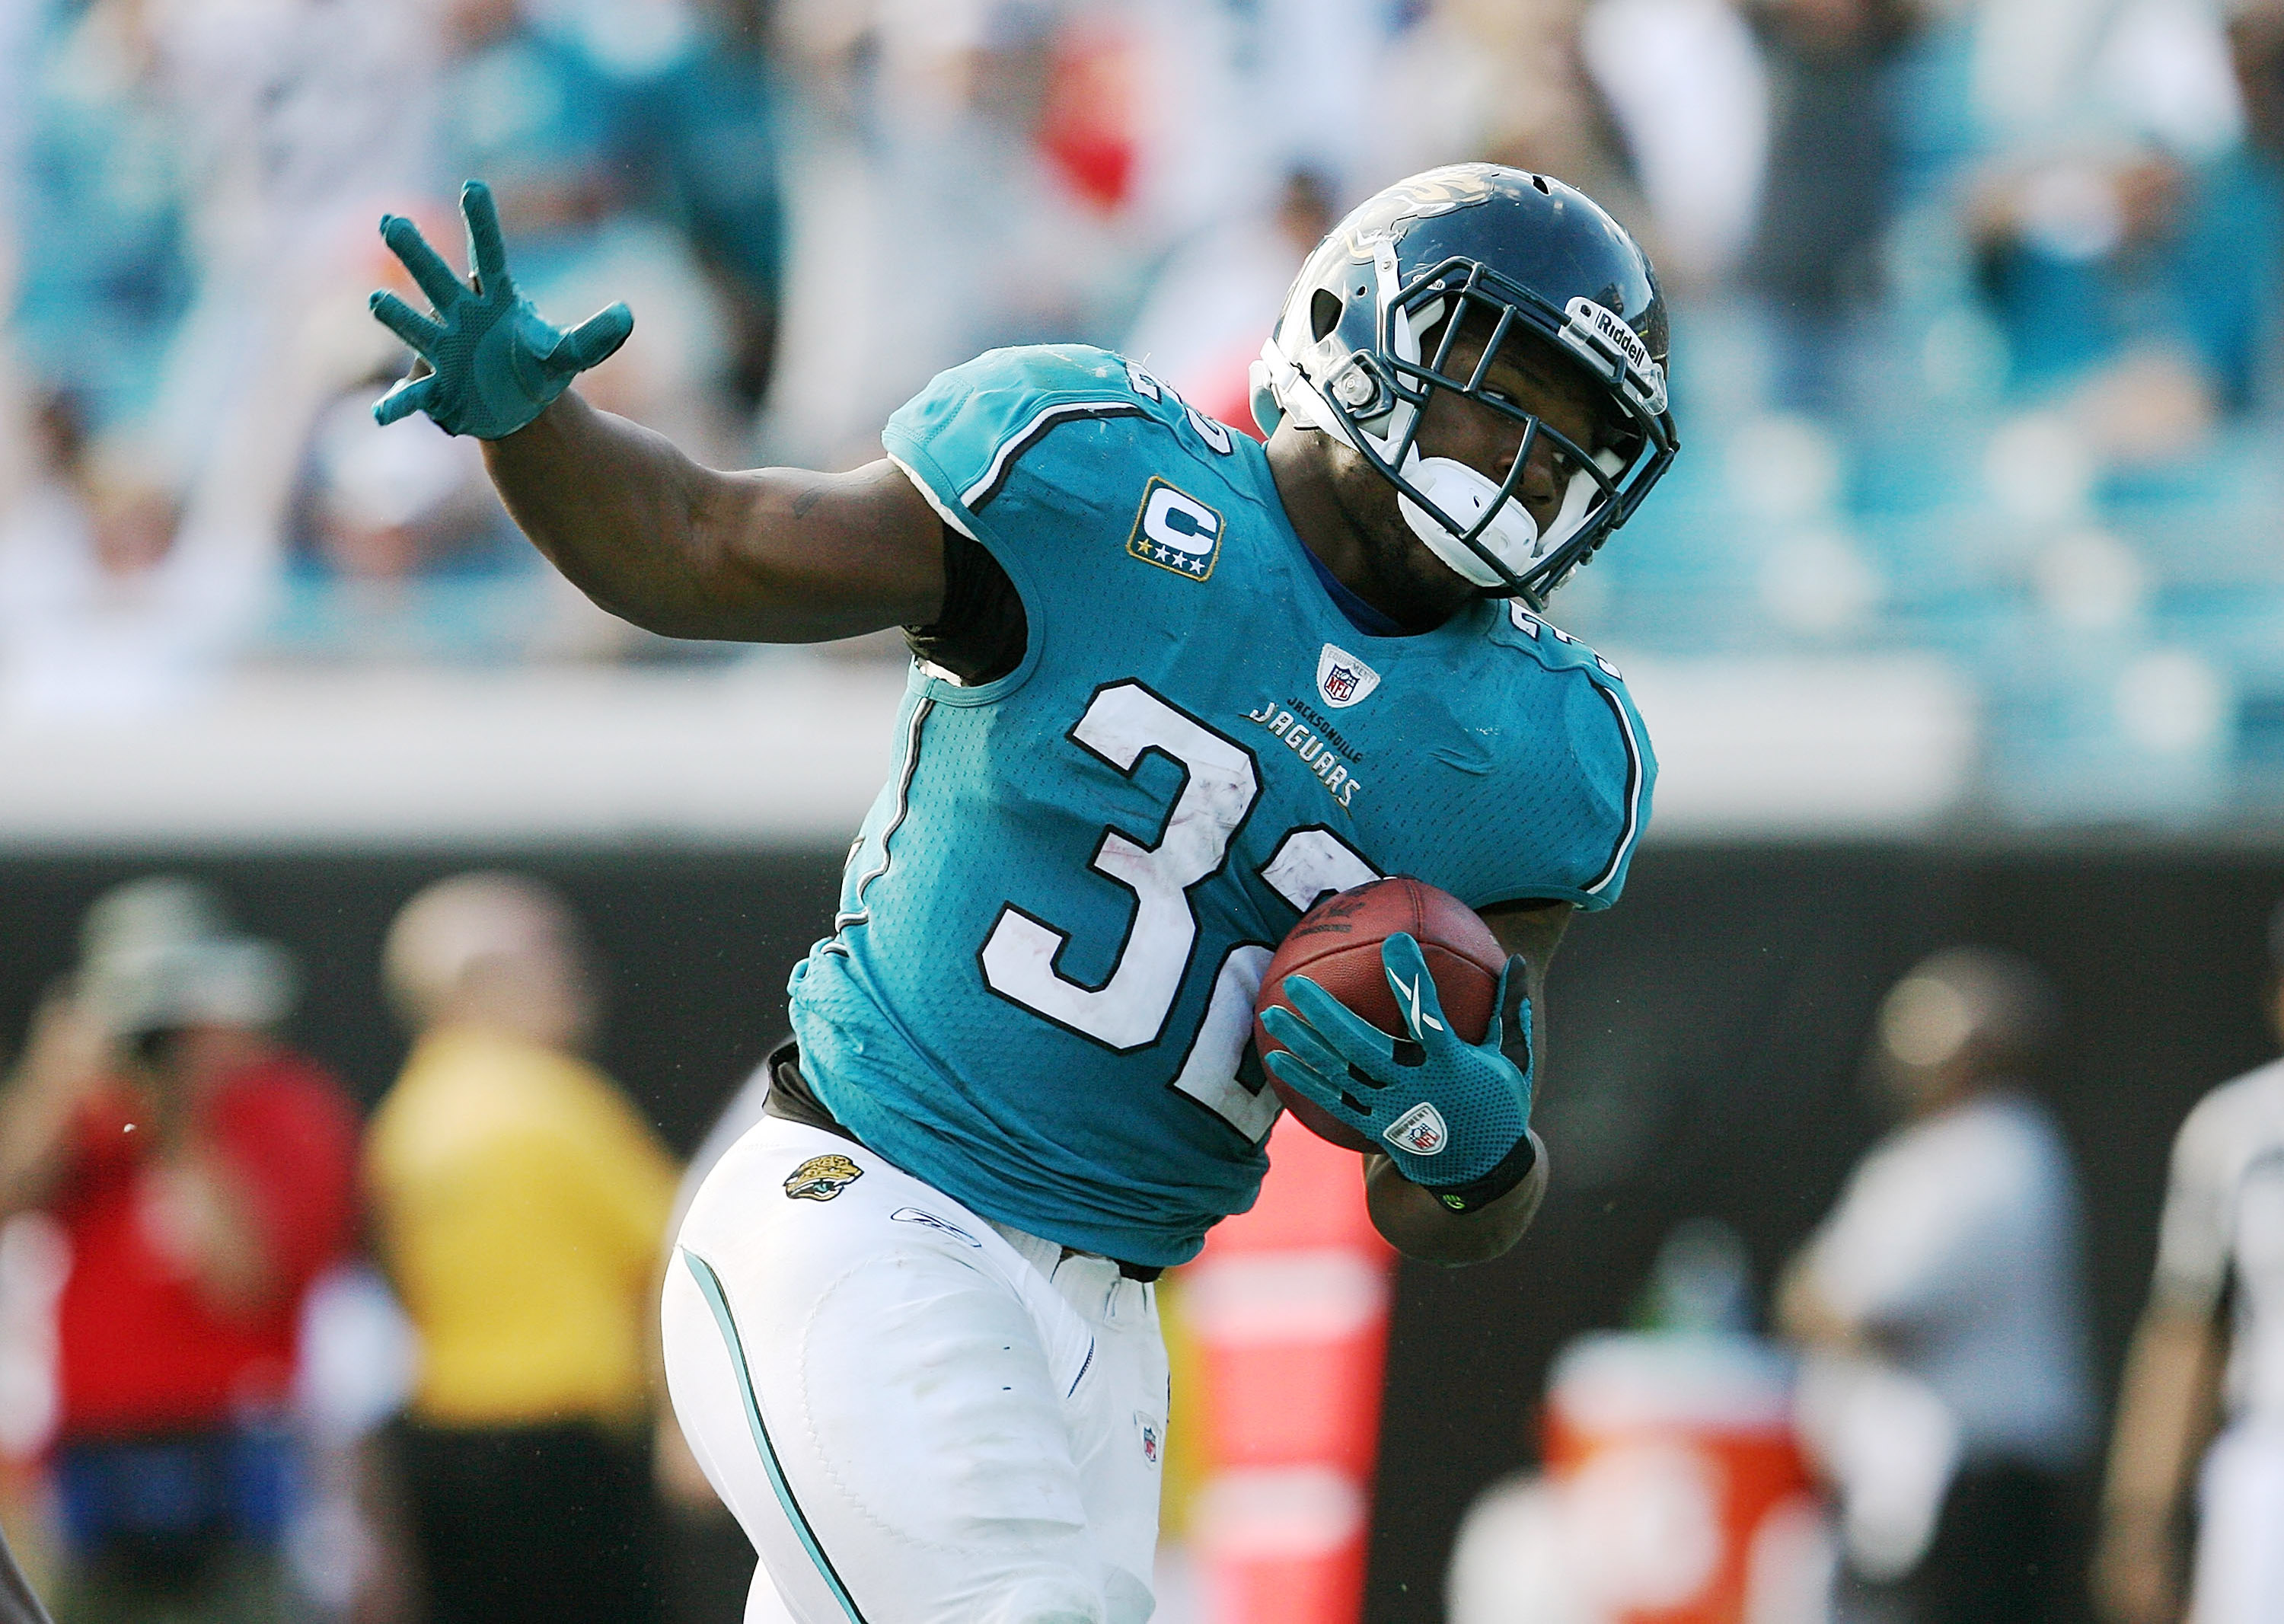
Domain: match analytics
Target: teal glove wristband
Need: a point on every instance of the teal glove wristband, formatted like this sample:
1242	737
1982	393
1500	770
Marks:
1454	1116
494	362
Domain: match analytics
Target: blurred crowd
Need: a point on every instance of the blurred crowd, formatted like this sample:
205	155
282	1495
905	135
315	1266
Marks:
261	1361
1916	1439
1976	339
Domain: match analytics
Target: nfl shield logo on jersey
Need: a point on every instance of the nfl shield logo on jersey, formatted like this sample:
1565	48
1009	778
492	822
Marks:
1420	1130
1343	679
1147	1428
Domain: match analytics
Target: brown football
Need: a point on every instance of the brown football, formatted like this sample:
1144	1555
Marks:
1336	945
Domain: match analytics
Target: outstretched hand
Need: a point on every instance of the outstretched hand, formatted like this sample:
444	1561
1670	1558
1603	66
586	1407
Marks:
1454	1115
494	362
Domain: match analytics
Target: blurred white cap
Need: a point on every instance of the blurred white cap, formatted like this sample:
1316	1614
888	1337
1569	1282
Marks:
161	952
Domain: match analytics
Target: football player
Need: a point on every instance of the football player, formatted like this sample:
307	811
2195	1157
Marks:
1169	687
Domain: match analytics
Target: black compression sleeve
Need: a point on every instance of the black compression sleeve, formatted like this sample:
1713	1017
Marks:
980	634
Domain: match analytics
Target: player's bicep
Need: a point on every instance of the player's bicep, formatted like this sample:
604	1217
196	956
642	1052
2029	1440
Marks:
809	557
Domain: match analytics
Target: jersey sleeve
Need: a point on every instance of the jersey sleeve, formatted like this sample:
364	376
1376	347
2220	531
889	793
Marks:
1618	773
2193	1239
969	441
1570	809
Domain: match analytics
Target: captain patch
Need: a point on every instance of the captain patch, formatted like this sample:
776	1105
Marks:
1176	531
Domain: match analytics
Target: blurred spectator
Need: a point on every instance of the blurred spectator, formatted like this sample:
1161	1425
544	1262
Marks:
520	1203
382	509
932	221
710	124
203	1177
108	606
1507	81
1688	89
2221	1253
1830	185
108	267
599	129
1939	1304
2124	225
519	107
1207	315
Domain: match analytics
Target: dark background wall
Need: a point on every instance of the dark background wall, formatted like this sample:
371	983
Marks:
1702	1059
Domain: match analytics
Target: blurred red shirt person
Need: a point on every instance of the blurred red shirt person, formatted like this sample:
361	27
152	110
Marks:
203	1175
276	1127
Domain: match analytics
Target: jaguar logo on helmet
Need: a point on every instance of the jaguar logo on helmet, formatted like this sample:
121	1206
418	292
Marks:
821	1178
1438	191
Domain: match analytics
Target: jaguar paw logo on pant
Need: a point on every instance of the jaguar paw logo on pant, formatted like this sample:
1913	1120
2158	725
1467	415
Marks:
821	1178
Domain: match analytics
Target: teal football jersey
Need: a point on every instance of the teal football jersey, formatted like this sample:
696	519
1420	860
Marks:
1041	982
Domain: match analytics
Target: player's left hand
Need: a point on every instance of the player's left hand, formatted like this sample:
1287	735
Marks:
496	362
1455	1115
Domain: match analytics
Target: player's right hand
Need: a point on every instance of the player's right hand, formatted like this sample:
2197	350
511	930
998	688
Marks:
1455	1116
494	362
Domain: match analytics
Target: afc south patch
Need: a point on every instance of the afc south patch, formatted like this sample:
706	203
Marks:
1176	531
821	1178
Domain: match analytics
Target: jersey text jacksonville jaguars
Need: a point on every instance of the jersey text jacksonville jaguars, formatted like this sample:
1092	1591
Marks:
1040	980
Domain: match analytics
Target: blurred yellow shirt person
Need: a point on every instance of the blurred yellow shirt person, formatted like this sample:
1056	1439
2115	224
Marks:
520	1203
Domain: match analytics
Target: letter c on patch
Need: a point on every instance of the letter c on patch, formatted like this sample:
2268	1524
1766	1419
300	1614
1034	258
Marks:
1172	520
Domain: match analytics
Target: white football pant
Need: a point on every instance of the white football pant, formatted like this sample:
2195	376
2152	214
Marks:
2239	1565
917	1417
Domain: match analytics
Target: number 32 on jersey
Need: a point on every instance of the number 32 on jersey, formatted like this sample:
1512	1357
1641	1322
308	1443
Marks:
1123	723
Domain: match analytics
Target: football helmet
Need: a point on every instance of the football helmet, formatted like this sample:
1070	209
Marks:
1348	356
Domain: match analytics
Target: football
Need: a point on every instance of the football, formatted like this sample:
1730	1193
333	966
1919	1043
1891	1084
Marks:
1336	945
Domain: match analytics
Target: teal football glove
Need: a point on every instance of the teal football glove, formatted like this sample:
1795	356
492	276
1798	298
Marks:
1454	1115
494	362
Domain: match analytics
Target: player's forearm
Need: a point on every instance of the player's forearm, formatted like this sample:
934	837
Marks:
773	556
1415	1221
624	515
2165	1412
34	1132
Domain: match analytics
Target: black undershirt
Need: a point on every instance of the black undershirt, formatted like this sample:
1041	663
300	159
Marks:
792	1099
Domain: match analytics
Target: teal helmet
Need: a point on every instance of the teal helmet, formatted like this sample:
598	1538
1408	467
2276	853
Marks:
1350	355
